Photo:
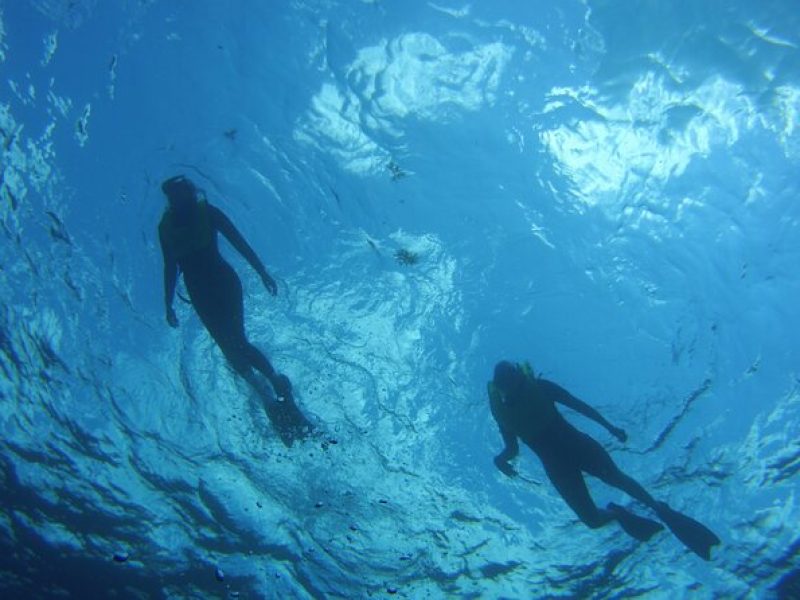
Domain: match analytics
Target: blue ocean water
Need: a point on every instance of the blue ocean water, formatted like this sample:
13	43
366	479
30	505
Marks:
605	188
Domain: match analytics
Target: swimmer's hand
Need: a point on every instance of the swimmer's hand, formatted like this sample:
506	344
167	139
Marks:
618	433
172	318
269	283
504	467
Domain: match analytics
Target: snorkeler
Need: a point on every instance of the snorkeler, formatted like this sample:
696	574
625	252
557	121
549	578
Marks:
524	407
188	235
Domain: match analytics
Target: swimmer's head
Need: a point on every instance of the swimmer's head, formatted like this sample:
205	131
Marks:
509	378
181	194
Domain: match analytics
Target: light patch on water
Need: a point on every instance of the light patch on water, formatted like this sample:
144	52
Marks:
82	125
50	45
768	36
26	95
3	46
70	13
413	75
654	134
534	219
416	74
62	104
458	13
787	102
332	125
376	319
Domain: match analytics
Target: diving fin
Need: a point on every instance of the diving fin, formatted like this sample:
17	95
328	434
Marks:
283	413
635	526
288	421
694	535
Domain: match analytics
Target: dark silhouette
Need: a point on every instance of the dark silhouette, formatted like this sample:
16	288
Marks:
525	407
188	235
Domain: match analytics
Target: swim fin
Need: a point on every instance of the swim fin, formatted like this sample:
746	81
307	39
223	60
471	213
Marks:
695	536
635	526
283	413
289	422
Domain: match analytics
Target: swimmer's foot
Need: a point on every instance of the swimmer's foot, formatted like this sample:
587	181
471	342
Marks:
635	526
283	388
285	415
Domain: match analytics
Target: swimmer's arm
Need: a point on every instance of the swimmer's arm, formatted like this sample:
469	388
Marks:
225	227
510	451
170	281
509	439
558	394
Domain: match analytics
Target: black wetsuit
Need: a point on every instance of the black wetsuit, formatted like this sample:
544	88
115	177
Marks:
565	452
214	288
525	407
188	235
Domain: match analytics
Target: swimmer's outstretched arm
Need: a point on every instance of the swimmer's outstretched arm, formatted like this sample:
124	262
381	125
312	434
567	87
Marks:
170	281
510	451
558	394
509	438
224	225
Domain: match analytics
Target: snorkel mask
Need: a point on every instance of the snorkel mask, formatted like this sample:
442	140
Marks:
182	195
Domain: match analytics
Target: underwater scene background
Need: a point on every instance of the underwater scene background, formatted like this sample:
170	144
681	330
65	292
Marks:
607	189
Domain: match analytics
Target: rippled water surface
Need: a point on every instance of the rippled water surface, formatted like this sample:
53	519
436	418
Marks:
607	189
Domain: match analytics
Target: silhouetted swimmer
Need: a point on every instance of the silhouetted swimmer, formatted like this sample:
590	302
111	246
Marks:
524	407
188	235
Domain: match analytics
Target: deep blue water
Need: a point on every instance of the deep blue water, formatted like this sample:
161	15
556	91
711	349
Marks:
605	188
